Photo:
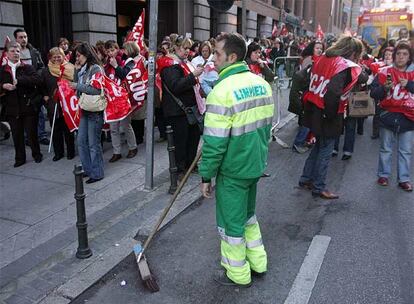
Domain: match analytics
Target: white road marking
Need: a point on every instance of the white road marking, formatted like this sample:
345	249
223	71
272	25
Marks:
302	287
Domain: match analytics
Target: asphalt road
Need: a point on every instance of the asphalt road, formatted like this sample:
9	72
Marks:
369	260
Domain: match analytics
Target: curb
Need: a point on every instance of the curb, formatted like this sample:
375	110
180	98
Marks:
104	262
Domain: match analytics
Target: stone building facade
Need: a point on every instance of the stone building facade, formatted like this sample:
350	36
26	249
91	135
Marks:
92	20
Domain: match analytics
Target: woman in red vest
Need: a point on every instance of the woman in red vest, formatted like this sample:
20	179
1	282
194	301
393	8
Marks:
394	87
332	78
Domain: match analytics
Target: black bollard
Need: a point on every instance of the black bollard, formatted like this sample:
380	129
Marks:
83	251
171	155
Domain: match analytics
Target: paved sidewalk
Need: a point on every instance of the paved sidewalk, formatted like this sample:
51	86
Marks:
38	237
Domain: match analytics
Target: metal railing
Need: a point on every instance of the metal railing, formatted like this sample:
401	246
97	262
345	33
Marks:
277	86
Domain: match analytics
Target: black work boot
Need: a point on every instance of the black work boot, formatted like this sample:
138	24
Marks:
221	278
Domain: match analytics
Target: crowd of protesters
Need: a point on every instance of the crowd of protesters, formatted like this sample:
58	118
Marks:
186	75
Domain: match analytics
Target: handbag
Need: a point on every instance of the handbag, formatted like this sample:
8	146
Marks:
193	115
361	104
93	103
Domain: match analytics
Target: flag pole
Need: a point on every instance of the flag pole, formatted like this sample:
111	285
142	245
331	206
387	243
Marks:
53	128
149	147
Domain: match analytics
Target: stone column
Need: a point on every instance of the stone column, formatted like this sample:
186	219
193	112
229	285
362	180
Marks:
299	8
227	22
266	26
201	20
11	18
185	15
251	30
94	20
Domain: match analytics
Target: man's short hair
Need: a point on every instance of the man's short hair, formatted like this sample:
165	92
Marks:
111	44
19	30
233	43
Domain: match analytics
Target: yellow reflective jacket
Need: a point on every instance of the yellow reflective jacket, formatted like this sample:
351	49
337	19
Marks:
237	125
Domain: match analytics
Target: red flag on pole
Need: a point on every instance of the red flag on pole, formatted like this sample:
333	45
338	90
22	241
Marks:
274	31
137	32
284	31
319	33
3	59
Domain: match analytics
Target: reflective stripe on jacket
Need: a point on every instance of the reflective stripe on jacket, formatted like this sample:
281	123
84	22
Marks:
237	125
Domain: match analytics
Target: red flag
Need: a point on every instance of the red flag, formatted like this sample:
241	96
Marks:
3	59
69	104
274	31
137	32
118	106
319	33
136	82
284	31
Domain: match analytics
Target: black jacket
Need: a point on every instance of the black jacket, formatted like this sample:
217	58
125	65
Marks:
48	88
179	85
275	53
24	100
37	61
394	121
300	84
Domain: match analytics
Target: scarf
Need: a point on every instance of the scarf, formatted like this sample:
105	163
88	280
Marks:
13	67
66	67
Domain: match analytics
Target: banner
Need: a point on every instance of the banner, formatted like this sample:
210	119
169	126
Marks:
118	106
136	83
69	104
3	59
137	32
274	31
319	33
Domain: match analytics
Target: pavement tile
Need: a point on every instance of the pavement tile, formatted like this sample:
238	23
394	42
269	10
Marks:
14	299
9	228
30	292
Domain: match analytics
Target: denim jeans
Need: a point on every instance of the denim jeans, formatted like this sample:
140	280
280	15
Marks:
349	139
301	136
89	144
280	71
404	145
316	165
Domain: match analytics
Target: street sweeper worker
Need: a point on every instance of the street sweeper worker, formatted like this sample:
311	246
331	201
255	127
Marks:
236	135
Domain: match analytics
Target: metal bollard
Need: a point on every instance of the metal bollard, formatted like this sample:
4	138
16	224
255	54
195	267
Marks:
171	155
83	251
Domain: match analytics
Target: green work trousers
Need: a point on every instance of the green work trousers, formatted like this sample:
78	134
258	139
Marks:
242	248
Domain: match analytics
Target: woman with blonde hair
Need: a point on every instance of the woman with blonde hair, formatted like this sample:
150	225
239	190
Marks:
135	59
57	67
179	78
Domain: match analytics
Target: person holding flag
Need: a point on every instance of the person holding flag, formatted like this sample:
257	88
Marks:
115	72
57	68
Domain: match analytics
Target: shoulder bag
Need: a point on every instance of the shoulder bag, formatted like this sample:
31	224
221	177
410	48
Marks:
193	115
361	104
93	103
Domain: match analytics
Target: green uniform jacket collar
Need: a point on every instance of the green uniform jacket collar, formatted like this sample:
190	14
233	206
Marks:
235	68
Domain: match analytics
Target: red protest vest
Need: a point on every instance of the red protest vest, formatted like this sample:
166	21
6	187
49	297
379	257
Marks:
321	74
255	69
136	83
376	66
399	99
